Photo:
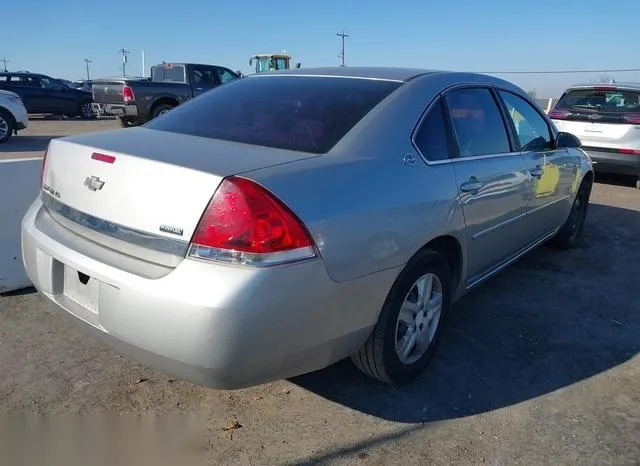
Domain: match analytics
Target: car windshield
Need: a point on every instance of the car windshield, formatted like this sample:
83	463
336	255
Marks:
303	113
603	99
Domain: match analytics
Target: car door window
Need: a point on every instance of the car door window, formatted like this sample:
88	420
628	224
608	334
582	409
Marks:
431	139
531	128
225	75
477	123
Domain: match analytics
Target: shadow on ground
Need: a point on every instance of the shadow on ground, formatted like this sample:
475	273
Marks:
26	144
616	180
547	322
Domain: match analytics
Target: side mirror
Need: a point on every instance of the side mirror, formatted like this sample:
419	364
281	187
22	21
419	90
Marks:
298	65
250	61
567	140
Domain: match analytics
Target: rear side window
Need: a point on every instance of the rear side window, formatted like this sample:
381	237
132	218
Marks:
173	74
601	98
431	138
304	113
477	122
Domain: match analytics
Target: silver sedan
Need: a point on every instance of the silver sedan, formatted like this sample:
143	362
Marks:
284	221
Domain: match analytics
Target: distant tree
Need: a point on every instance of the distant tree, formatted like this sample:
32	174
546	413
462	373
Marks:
605	78
533	94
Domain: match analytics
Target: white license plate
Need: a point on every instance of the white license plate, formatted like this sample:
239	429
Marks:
81	288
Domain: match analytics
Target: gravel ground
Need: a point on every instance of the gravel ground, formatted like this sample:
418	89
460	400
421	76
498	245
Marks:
538	366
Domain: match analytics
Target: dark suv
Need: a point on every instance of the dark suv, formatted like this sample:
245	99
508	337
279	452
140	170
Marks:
46	95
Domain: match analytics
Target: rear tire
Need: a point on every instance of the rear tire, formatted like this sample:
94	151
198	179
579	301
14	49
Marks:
160	109
85	111
389	354
569	235
7	125
128	122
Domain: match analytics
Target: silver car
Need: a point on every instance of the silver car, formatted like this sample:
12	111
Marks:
606	119
284	221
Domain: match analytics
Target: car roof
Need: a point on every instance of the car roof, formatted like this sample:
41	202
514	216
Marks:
366	72
615	84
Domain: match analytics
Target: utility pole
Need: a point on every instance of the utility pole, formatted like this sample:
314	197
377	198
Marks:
124	53
87	61
342	35
5	61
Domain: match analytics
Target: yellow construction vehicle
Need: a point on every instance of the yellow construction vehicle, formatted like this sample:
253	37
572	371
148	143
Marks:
271	62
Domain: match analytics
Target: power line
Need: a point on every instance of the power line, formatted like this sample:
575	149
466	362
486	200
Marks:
342	35
5	61
623	70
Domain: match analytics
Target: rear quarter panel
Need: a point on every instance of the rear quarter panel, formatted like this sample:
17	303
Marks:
366	209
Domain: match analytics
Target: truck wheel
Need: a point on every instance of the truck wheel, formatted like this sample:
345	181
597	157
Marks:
86	111
126	122
7	125
161	110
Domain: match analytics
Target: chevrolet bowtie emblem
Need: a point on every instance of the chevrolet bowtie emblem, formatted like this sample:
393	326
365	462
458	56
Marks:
93	183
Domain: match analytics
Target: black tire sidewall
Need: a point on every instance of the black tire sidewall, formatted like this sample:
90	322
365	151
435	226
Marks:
427	262
160	108
81	112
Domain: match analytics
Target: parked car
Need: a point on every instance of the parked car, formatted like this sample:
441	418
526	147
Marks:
13	115
136	101
606	119
42	94
287	220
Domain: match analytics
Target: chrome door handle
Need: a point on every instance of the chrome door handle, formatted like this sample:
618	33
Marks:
536	172
198	88
472	185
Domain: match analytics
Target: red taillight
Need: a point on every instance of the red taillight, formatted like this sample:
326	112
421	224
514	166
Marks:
633	118
246	224
127	94
44	161
559	114
629	151
605	88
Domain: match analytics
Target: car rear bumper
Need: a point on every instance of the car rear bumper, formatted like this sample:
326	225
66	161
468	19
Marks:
121	110
614	163
219	326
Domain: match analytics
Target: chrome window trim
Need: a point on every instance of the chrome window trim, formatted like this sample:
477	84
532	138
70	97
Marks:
441	95
114	230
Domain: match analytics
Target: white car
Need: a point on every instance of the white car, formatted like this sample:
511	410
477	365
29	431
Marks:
606	119
13	115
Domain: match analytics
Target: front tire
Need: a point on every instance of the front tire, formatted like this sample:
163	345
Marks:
569	235
410	324
7	125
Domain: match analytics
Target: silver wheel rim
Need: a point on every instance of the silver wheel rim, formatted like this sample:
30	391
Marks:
4	127
418	318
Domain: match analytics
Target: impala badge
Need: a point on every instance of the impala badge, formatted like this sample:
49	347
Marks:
93	183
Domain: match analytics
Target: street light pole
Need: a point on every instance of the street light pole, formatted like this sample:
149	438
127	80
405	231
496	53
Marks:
87	61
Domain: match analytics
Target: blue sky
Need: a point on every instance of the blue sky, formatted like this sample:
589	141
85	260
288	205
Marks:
54	37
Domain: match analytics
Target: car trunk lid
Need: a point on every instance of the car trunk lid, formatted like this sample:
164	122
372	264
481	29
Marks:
139	190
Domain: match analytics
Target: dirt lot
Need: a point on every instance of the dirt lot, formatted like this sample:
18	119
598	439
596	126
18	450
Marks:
539	366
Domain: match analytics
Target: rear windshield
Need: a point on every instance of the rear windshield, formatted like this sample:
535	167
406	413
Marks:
304	113
605	100
172	74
